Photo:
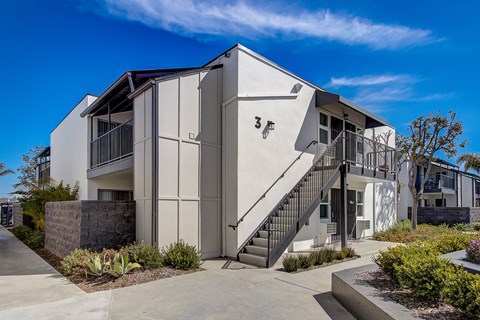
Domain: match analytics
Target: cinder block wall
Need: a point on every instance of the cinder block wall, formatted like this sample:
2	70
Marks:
17	214
88	224
448	215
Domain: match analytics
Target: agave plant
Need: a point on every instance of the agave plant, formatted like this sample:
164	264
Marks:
120	265
96	265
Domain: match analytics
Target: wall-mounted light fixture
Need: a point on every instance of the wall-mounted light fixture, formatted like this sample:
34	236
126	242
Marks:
345	116
297	87
270	125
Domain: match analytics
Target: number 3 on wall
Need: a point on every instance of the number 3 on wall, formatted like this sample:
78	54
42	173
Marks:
257	123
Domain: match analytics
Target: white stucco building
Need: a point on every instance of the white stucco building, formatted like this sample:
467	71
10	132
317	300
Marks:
239	157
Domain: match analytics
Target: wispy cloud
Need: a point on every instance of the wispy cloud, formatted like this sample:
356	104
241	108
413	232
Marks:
395	94
368	80
193	18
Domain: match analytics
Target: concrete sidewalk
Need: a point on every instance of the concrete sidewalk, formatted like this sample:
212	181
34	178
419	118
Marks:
224	290
25	278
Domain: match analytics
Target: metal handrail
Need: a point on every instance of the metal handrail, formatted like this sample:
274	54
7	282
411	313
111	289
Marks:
234	226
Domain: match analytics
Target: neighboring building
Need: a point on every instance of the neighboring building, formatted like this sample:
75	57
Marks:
43	166
225	157
447	187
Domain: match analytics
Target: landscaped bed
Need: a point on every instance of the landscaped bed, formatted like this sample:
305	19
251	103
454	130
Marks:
109	269
317	259
108	282
418	278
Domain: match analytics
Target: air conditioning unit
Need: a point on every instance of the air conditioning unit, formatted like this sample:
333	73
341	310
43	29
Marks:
361	226
328	228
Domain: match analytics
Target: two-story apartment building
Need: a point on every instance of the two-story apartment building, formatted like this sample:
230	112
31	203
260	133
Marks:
446	186
239	157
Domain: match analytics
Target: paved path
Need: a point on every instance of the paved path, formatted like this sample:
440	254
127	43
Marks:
225	290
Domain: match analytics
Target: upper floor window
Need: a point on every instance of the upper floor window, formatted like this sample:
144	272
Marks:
323	128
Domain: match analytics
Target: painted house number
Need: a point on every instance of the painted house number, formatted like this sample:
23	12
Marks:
257	123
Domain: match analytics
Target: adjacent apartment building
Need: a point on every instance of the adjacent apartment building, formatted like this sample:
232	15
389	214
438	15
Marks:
447	187
239	157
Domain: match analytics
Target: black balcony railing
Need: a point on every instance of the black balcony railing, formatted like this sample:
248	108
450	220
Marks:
112	146
435	182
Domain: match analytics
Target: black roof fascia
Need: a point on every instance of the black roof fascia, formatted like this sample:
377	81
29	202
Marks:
323	98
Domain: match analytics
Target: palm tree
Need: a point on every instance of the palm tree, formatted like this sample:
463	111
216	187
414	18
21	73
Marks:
470	161
3	171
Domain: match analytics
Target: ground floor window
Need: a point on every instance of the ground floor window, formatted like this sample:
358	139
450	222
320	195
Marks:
112	195
324	207
360	197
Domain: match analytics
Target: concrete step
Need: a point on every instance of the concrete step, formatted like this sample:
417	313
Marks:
263	242
281	227
253	259
284	219
264	234
257	250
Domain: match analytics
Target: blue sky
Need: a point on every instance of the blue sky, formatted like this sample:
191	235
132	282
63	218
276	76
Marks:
398	59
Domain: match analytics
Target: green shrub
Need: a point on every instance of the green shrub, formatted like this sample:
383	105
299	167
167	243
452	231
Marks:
306	261
461	227
21	232
181	255
76	261
476	226
462	290
330	254
347	252
422	272
319	257
447	243
291	264
387	260
35	239
148	256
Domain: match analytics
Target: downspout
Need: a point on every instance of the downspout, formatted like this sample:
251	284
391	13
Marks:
154	165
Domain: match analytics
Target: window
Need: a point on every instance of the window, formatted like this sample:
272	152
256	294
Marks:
359	203
324	207
323	128
103	127
109	195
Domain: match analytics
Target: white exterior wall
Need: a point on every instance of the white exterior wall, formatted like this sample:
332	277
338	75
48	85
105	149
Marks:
70	149
142	154
467	192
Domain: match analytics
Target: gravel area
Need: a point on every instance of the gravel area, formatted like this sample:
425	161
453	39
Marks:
108	282
424	309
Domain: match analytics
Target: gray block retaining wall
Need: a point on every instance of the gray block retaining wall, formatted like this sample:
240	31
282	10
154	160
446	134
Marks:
17	214
88	224
448	215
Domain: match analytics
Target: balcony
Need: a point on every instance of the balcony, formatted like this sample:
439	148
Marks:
438	183
115	145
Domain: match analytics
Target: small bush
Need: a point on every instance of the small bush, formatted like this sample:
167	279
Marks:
473	251
119	265
447	243
319	257
387	260
35	239
96	265
76	261
330	254
148	256
181	255
462	290
32	238
422	272
461	227
21	232
306	261
291	264
347	252
476	226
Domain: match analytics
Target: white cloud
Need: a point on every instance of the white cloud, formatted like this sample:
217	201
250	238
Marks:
368	80
191	18
395	94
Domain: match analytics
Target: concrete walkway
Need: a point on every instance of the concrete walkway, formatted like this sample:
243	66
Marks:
224	290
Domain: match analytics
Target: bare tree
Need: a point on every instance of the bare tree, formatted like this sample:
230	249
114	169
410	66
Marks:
428	136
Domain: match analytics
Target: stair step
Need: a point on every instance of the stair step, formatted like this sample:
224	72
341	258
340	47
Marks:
284	219
253	259
264	234
263	242
281	227
257	250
